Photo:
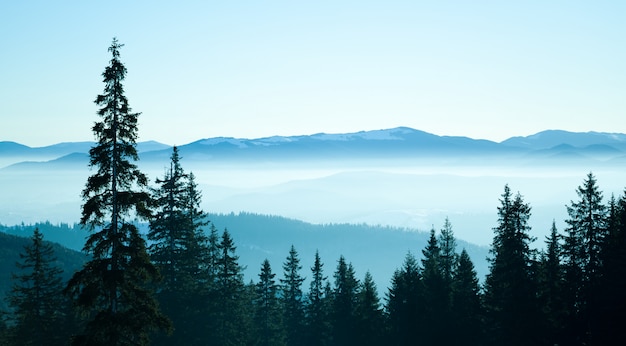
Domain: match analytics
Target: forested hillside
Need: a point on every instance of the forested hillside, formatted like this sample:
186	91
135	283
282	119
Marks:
377	249
70	236
10	248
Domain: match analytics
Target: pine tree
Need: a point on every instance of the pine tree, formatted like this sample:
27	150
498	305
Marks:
550	290
169	227
213	256
232	320
292	298
447	254
344	302
210	302
112	287
436	294
467	312
179	249
369	314
317	314
267	309
404	307
195	262
197	244
587	228
509	287
36	297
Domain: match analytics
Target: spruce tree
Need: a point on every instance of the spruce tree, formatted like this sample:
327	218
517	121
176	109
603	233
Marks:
550	289
585	233
169	227
344	303
467	312
196	243
292	299
405	308
509	287
317	314
447	254
210	303
436	294
196	260
267	316
369	314
179	249
112	288
213	256
231	317
36	297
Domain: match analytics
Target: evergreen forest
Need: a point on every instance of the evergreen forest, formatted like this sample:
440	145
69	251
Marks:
181	281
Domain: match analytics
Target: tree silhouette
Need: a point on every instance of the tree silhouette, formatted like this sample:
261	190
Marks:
448	257
436	294
587	227
267	315
36	298
317	314
344	303
232	319
179	249
405	303
370	324
112	287
509	287
292	299
467	309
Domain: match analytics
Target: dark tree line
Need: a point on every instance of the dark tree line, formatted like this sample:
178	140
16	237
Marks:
185	285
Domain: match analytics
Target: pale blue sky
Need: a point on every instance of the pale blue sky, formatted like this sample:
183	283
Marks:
197	69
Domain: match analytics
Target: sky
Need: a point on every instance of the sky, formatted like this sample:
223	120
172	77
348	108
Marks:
200	69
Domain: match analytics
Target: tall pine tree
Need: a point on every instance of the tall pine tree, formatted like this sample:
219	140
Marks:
292	298
405	308
169	228
467	312
447	254
509	288
370	321
436	294
344	303
550	289
179	249
585	233
267	314
317	312
112	288
231	317
197	244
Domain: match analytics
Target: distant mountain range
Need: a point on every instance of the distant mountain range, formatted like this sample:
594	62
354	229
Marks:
401	177
398	142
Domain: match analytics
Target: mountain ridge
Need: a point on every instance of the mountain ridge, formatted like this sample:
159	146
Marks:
554	137
298	176
398	142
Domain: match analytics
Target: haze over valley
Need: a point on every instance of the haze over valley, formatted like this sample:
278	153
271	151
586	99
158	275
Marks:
397	177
